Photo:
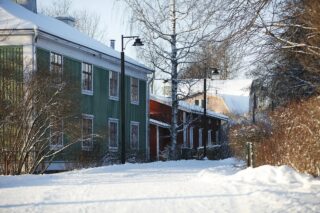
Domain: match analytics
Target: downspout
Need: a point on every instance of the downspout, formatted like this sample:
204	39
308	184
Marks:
149	81
34	41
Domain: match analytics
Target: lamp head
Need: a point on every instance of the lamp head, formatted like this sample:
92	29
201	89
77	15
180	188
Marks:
137	42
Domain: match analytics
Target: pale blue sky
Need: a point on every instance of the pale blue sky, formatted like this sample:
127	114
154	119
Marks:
113	15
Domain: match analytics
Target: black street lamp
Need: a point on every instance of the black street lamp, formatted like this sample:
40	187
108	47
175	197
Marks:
213	71
137	42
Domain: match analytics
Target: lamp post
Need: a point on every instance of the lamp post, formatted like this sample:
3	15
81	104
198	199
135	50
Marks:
213	71
137	42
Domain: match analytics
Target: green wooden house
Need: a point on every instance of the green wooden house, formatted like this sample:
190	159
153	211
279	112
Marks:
41	42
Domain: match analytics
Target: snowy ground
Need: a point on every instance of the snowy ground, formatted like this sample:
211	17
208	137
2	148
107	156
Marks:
182	186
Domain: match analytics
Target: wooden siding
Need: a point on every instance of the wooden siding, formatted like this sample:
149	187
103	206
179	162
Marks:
101	106
11	92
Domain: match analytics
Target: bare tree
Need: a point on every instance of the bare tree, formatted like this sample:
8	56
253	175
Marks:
86	22
289	66
172	32
40	110
223	57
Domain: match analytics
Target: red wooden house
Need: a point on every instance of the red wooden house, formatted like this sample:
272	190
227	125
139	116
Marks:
190	126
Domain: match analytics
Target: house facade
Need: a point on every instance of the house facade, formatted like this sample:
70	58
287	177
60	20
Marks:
38	43
190	126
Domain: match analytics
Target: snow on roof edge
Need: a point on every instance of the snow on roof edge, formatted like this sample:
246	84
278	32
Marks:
189	107
159	123
16	17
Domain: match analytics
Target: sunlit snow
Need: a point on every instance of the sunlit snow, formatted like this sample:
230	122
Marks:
178	186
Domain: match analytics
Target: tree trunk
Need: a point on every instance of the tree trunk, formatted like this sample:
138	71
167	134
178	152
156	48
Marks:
174	82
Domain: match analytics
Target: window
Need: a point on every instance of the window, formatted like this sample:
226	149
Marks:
113	134
217	137
185	126
87	131
210	137
87	79
56	67
113	85
134	135
202	103
167	90
200	137
134	85
191	137
56	134
196	102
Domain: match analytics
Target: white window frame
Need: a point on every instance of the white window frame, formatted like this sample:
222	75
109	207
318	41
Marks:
54	53
85	91
134	123
200	136
191	137
88	117
111	97
136	102
113	120
57	146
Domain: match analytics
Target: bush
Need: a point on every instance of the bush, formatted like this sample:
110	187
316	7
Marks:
293	137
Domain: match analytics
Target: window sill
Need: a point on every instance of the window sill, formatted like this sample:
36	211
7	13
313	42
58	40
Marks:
56	147
87	92
135	102
114	98
113	149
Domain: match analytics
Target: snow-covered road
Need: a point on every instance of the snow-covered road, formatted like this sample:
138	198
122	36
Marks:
180	186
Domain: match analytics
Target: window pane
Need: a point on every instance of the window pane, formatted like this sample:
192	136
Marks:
87	76
113	84
134	90
134	136
87	132
56	67
56	132
113	134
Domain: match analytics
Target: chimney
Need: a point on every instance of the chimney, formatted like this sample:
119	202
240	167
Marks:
29	4
112	43
67	19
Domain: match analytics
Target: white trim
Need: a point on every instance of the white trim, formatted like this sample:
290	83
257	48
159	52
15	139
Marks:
114	98
113	120
134	102
88	117
158	143
147	134
132	123
85	91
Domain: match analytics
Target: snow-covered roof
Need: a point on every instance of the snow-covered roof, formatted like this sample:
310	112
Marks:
16	17
189	107
238	87
236	104
159	123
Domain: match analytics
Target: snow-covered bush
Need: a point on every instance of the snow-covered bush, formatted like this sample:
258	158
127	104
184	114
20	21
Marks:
293	139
